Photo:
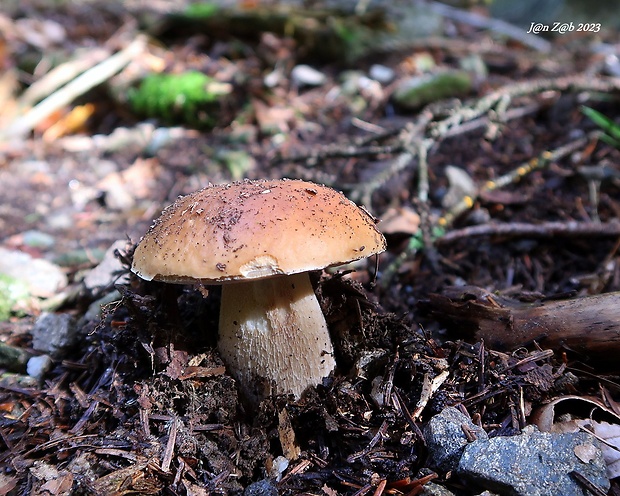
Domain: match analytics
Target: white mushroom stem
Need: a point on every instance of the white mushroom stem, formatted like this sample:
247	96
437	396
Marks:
272	331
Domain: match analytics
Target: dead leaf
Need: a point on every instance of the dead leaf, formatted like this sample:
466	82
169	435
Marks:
290	448
401	220
613	404
541	376
72	122
175	360
586	452
572	413
197	372
123	189
194	489
129	480
570	408
610	434
329	491
273	119
50	480
7	484
58	487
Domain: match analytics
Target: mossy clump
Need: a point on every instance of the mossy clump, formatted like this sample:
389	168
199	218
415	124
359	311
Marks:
14	297
418	91
191	98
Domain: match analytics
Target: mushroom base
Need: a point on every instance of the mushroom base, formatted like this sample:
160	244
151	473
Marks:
273	336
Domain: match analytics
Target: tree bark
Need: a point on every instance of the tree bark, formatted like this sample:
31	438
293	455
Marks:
587	327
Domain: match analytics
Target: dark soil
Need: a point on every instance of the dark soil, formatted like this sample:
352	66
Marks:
143	403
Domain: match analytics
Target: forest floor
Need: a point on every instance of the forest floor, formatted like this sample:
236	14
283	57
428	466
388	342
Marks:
491	180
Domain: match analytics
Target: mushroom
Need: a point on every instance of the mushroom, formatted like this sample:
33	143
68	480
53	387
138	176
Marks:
260	240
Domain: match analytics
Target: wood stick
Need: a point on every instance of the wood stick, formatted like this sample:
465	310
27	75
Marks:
78	86
587	327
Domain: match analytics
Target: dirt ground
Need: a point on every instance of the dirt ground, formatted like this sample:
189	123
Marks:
142	404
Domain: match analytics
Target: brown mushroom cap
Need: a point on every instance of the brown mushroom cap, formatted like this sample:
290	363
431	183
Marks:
253	229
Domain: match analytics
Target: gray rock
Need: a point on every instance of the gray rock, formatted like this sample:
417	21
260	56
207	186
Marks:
431	489
446	439
13	358
415	92
44	279
95	309
106	273
381	73
38	366
263	487
534	463
54	333
304	75
38	239
461	185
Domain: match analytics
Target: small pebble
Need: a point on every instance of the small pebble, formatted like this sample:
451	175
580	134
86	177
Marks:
107	272
304	75
54	333
44	279
612	65
38	366
381	73
37	239
261	488
280	464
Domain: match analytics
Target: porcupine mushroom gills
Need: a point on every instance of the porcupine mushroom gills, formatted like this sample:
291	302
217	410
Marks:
260	240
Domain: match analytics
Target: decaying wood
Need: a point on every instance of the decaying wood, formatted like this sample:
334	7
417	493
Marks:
586	327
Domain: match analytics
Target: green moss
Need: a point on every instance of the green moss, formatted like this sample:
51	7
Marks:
421	90
190	98
201	10
14	296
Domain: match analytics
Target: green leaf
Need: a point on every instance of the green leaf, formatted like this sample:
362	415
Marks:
606	124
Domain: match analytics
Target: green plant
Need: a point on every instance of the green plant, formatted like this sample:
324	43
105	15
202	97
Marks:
189	98
14	296
611	129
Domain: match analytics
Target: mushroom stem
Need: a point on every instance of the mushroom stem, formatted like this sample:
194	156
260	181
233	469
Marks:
273	334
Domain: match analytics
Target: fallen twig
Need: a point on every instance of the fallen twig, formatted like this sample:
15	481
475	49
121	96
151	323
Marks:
80	85
467	202
169	451
587	327
429	388
375	439
541	230
479	107
496	25
61	75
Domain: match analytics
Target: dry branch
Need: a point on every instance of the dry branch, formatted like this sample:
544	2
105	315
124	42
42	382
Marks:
78	86
527	230
587	327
